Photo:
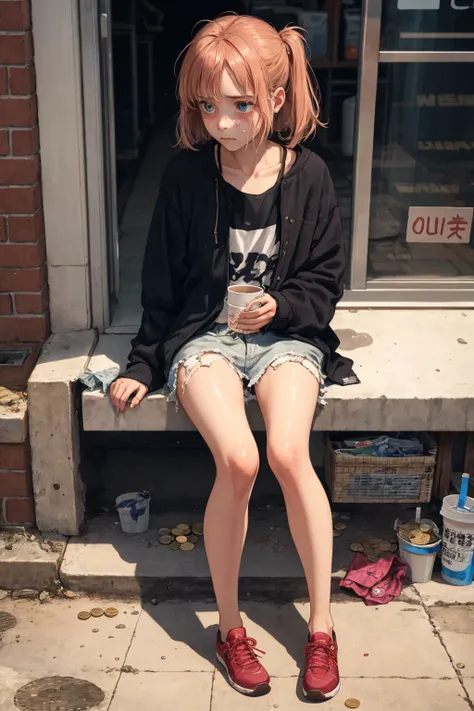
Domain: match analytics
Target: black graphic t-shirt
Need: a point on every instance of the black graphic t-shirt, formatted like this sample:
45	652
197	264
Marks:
254	235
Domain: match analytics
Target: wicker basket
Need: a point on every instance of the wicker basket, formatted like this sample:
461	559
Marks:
380	479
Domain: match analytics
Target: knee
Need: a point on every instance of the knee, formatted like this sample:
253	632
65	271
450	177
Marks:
241	465
287	461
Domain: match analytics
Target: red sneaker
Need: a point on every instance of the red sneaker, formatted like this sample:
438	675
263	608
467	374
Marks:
244	671
321	677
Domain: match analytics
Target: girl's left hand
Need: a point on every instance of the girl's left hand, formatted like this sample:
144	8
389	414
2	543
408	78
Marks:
252	321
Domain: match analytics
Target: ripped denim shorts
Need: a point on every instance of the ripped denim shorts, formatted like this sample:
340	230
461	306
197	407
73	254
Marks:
249	355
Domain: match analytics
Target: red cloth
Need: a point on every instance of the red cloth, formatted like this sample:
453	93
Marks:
377	583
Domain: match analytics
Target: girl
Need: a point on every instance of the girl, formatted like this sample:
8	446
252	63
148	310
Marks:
238	207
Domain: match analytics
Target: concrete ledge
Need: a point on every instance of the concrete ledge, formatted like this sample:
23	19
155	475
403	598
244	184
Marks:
29	564
415	368
54	431
14	423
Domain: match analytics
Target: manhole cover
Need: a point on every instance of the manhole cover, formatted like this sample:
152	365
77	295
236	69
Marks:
7	621
58	693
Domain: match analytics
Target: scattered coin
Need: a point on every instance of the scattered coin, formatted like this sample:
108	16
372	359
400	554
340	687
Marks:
352	703
460	665
336	533
192	538
183	527
385	546
187	546
198	529
84	615
96	629
97	612
135	612
372	557
111	612
119	627
163	531
340	526
175	546
165	539
181	539
357	547
69	595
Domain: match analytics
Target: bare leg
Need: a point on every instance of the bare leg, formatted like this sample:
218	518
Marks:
287	396
213	399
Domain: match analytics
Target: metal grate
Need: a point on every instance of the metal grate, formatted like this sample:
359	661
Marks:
16	357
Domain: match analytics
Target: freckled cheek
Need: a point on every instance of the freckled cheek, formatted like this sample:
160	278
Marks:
209	119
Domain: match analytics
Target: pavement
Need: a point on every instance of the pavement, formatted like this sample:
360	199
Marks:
403	656
414	653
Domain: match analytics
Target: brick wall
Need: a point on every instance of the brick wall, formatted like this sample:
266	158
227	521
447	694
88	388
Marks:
16	499
24	316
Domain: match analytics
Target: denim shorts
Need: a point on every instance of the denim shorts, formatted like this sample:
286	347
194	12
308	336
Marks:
249	355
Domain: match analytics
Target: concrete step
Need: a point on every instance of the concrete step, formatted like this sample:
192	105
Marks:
105	561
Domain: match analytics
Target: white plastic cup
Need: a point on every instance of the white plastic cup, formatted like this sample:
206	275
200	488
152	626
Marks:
420	559
239	297
135	517
457	558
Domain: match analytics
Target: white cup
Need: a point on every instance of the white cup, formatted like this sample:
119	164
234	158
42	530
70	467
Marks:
238	298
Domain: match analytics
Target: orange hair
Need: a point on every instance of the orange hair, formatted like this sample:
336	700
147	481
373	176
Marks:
260	60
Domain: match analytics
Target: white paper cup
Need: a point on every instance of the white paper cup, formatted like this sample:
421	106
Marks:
238	298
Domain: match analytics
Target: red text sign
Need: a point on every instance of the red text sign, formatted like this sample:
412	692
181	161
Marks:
450	225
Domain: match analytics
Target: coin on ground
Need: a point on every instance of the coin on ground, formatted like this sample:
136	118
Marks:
176	532
165	540
163	531
357	547
336	533
187	546
111	612
192	538
352	703
84	615
174	546
385	546
183	526
340	526
97	612
181	539
198	529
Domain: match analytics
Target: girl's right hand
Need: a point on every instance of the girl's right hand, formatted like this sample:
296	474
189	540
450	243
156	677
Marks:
122	389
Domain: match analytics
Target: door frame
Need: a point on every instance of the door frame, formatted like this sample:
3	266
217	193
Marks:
104	265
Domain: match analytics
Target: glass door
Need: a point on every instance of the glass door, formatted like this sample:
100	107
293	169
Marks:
414	191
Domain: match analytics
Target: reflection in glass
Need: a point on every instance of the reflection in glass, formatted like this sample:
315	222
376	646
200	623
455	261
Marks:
423	158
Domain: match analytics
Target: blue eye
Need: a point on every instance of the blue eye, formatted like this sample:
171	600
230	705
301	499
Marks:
244	106
207	107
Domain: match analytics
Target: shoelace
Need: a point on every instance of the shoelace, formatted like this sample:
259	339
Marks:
320	654
243	649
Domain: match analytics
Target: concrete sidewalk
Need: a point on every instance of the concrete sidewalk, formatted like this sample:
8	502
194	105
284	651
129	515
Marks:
412	654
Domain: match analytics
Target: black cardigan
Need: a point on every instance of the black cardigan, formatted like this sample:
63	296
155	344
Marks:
186	263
